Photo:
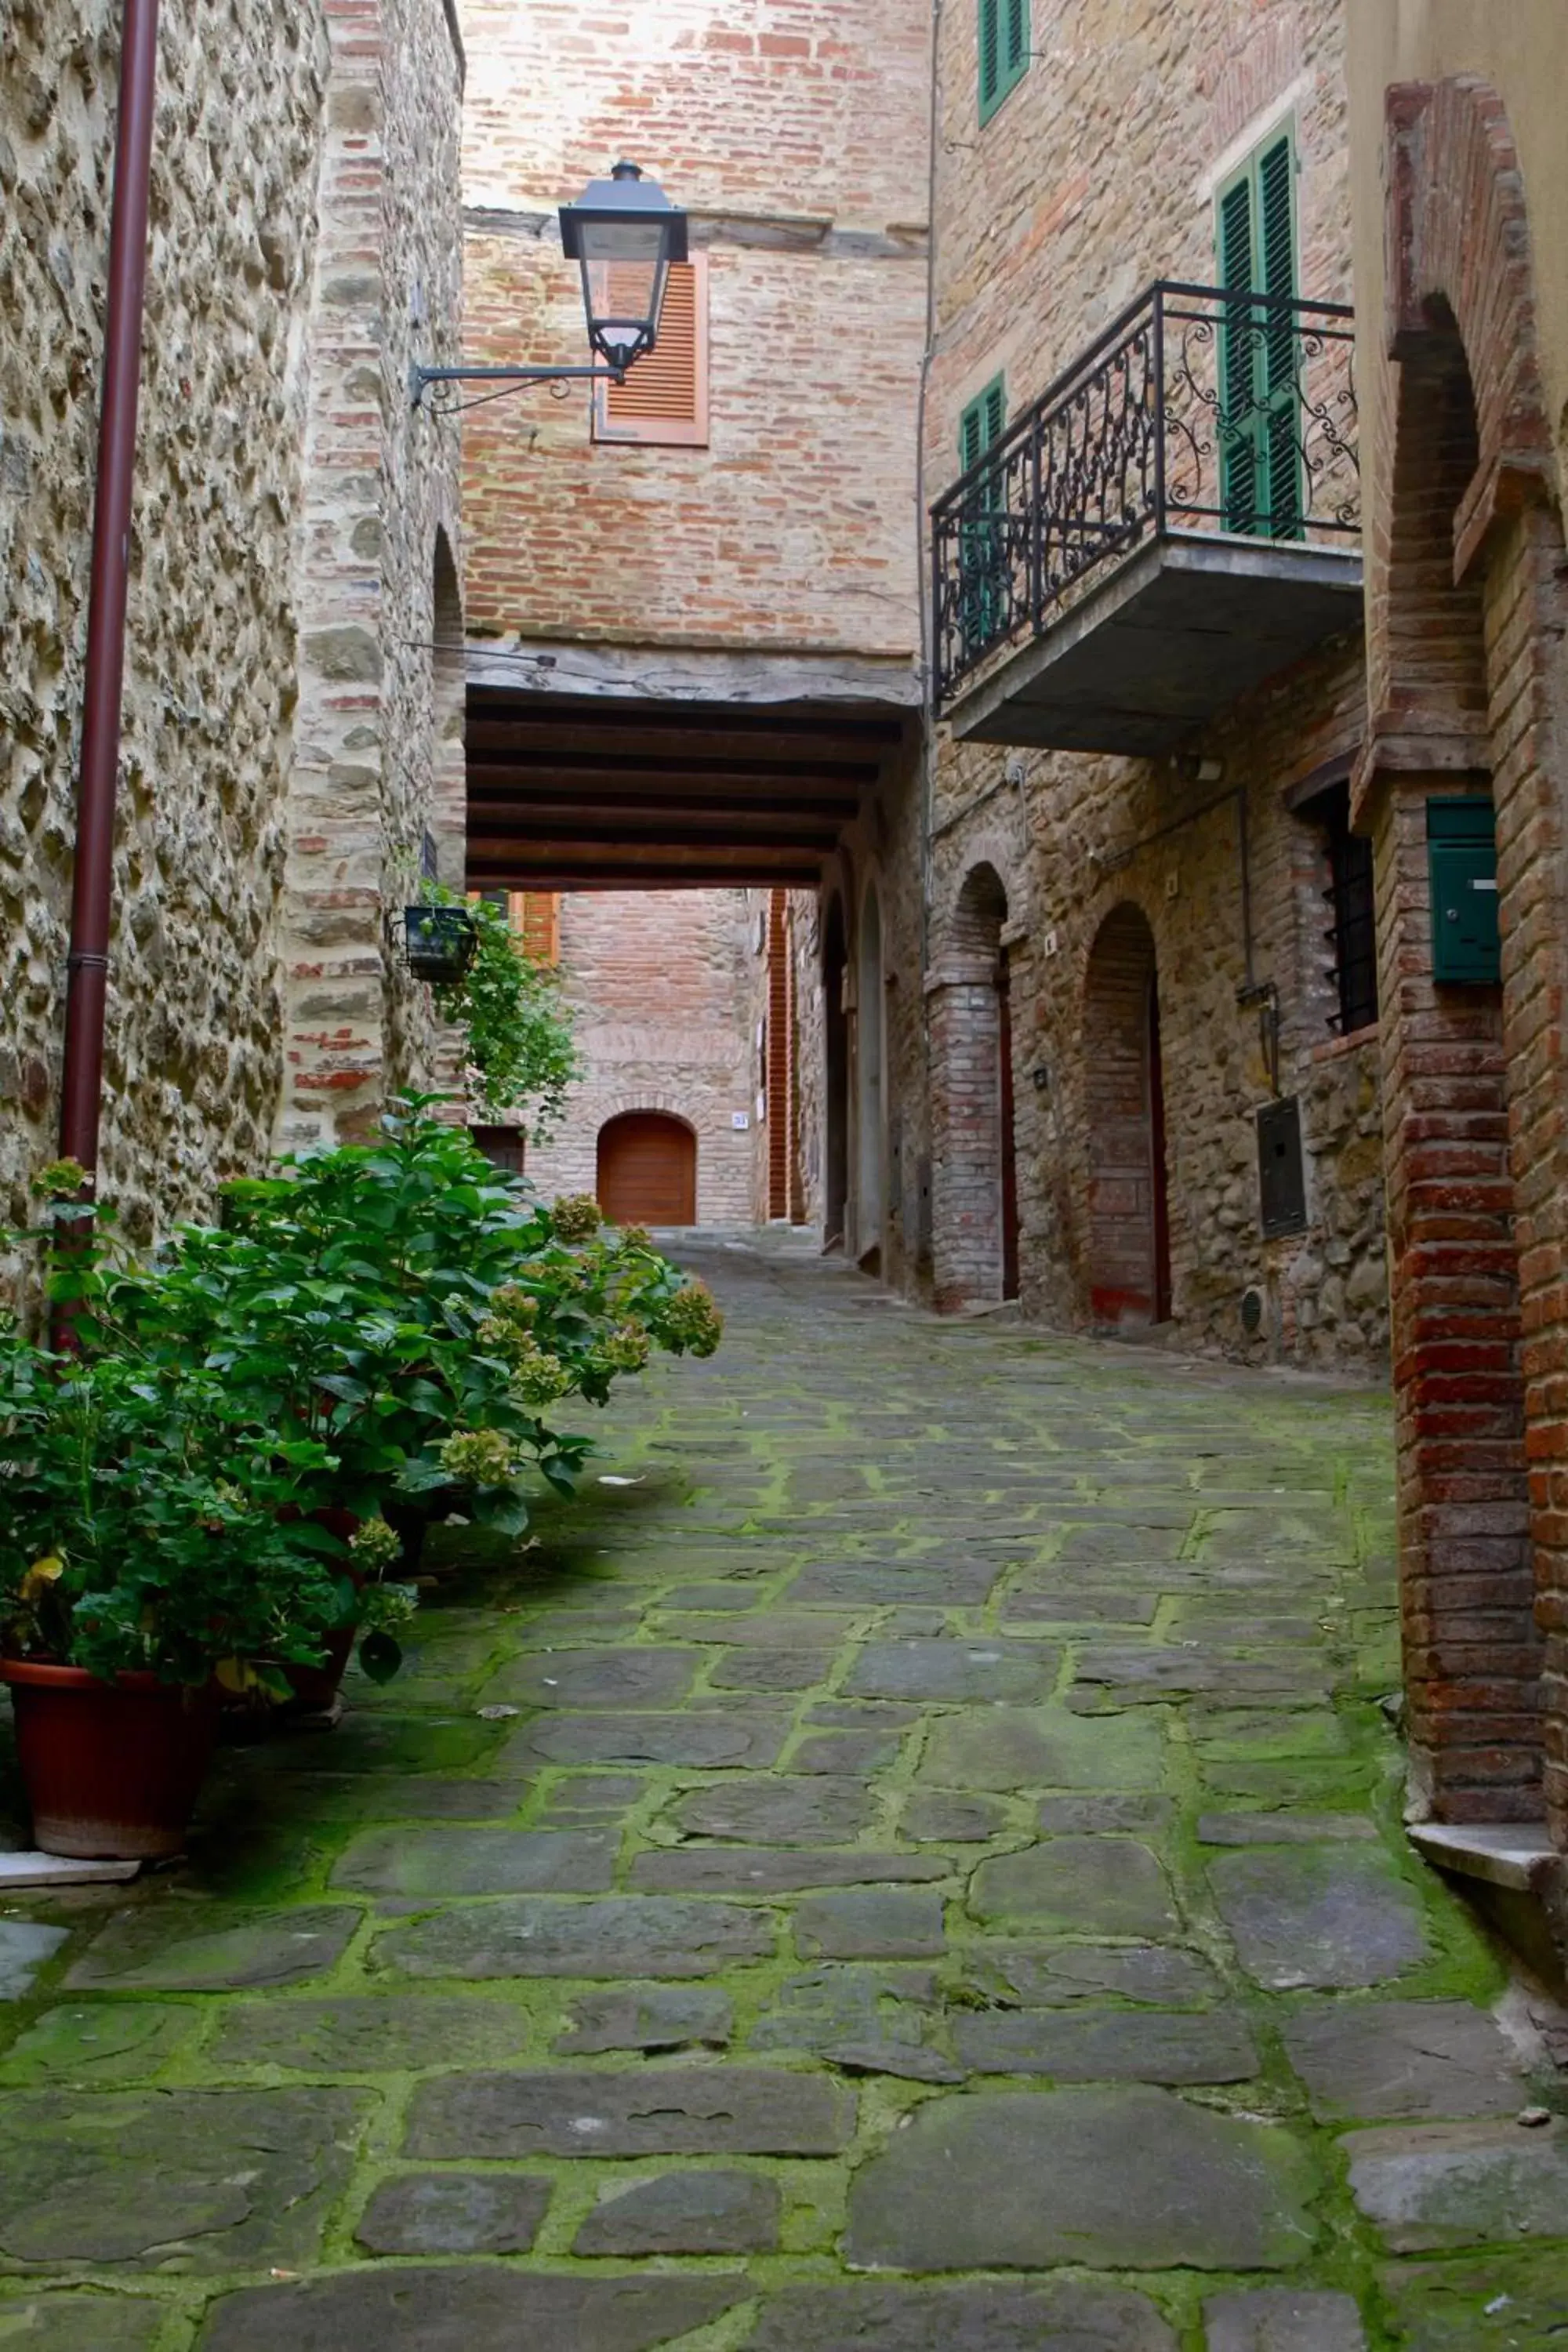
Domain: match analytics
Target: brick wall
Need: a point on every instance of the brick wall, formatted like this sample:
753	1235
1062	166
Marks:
1095	176
665	986
1466	619
796	138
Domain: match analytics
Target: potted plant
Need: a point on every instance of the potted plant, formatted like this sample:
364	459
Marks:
151	1554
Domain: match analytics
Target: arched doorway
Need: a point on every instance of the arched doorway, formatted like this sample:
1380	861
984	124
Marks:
1128	1232
975	1183
836	1078
870	1091
647	1170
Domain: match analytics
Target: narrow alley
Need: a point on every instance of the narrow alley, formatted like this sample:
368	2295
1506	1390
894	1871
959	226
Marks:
912	1861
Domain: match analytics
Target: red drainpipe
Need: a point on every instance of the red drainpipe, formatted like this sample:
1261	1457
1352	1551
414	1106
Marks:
87	986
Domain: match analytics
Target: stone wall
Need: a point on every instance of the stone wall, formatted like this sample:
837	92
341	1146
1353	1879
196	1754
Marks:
283	564
1096	176
665	986
193	1060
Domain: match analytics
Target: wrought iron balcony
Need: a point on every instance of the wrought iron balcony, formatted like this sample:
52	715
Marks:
1177	519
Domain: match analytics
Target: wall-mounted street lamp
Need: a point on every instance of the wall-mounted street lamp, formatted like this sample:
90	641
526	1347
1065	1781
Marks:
624	233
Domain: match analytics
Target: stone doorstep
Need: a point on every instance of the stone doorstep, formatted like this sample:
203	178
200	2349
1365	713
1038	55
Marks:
29	1871
1513	1854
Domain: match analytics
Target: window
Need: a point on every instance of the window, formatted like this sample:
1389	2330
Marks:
534	916
1004	33
1352	934
984	575
980	427
663	402
1259	356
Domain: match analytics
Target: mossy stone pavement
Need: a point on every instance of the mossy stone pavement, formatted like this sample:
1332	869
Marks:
910	1861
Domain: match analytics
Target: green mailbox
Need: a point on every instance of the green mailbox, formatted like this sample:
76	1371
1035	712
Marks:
1461	858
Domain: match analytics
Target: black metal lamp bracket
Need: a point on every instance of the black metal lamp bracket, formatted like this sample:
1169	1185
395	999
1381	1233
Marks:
501	379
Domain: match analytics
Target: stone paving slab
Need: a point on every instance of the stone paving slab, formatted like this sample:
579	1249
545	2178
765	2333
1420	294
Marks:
1095	1886
1319	1916
468	2308
651	1935
369	2035
81	2323
685	2214
1108	2046
1119	2180
652	2111
985	1669
1430	2186
454	2214
770	1870
646	2017
983	2318
1390	2058
169	1949
477	1861
172	2180
1282	2319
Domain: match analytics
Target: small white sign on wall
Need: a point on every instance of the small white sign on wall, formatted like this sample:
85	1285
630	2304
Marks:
739	1119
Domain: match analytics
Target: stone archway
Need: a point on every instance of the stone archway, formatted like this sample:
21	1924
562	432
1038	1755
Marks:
974	1192
1467	608
1128	1254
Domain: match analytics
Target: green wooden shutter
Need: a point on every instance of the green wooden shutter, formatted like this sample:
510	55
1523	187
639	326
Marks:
990	56
1277	223
982	423
1260	490
983	536
1004	35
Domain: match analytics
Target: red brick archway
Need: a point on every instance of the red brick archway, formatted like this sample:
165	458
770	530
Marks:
1129	1239
974	1174
1466	607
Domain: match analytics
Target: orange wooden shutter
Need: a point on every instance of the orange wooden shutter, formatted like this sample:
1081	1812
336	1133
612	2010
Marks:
664	400
536	918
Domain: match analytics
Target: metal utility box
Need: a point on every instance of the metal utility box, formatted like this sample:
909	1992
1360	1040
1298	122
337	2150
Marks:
1461	858
1281	1172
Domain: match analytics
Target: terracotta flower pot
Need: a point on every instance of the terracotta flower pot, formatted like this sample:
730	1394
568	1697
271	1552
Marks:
112	1770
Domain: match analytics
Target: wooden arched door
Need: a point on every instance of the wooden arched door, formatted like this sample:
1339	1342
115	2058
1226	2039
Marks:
647	1170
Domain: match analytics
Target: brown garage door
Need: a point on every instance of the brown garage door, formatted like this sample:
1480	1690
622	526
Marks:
647	1170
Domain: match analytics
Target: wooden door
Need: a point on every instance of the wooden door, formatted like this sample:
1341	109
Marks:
647	1170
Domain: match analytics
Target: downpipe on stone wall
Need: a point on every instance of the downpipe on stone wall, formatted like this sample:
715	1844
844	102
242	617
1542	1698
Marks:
87	982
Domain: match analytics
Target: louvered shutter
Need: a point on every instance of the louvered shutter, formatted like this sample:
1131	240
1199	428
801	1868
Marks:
1276	237
664	400
990	19
1003	29
1238	440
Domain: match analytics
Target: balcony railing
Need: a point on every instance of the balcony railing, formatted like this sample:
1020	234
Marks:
1202	412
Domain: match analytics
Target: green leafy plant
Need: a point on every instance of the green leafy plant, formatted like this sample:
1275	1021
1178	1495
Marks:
143	1527
415	1314
517	1030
